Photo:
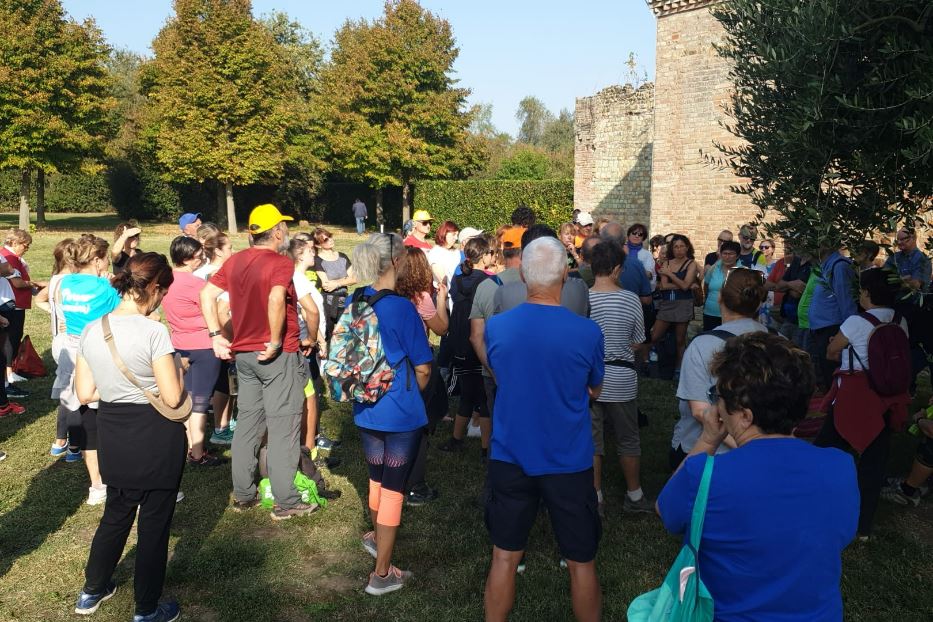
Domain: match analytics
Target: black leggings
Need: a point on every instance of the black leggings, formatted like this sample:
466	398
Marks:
870	467
17	319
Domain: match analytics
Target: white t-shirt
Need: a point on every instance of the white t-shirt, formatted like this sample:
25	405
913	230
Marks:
857	330
206	272
6	290
644	256
447	258
304	287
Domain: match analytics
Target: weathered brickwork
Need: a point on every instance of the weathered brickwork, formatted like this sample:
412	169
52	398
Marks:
612	152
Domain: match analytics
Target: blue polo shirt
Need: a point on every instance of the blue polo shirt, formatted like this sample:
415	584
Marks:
914	264
541	418
633	277
834	296
714	278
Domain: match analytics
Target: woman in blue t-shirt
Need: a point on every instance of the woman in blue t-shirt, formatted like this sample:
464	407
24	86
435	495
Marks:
83	297
780	511
391	428
713	281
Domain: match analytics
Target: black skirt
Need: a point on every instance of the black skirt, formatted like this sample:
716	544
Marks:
138	448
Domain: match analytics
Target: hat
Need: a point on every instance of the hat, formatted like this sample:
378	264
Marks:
422	216
584	219
187	218
468	233
264	217
512	237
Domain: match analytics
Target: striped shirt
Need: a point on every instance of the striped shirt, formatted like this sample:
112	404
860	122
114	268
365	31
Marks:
619	316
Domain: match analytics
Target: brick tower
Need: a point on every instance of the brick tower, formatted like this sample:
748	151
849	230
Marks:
691	86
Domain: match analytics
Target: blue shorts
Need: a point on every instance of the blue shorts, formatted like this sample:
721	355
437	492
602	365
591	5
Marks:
202	373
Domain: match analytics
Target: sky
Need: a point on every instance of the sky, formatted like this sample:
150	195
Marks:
556	50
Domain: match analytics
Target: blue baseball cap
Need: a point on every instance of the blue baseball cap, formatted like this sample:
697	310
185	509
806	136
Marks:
187	218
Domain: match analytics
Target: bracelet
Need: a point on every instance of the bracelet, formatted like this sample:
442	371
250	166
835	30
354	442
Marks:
275	346
214	333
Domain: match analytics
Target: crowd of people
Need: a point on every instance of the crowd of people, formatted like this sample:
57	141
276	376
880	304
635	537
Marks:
541	334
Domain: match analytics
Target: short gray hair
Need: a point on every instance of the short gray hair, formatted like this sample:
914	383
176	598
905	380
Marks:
544	262
374	256
612	231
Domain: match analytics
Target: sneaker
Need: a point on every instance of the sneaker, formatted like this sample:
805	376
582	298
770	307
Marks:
89	603
642	505
12	391
73	455
96	496
325	443
12	408
244	506
419	495
168	611
2	456
897	495
392	582
14	377
474	431
223	437
301	509
562	563
369	543
206	460
179	497
895	482
452	445
233	425
58	451
520	569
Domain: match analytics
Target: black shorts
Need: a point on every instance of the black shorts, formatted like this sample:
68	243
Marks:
222	384
89	423
570	498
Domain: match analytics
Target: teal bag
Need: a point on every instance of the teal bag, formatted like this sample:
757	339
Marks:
682	597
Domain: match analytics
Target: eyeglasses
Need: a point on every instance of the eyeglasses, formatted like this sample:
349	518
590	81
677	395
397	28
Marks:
712	395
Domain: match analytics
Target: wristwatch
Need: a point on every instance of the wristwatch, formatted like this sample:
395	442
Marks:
214	333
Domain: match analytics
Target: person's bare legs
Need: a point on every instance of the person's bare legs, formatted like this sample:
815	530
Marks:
460	426
631	469
918	475
93	468
597	472
309	423
584	591
660	327
195	426
500	584
221	403
385	543
680	333
485	430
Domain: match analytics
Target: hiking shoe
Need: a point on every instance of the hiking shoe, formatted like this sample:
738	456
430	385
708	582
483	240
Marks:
452	445
96	496
12	391
641	506
14	377
223	437
369	543
58	451
206	460
89	603
73	455
244	506
301	509
392	582
419	495
322	442
897	495
895	482
168	611
12	408
233	425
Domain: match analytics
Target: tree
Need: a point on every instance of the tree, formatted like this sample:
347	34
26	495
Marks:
55	94
223	97
833	105
525	163
388	109
532	116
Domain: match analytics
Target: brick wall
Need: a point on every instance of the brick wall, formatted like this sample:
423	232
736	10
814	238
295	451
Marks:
691	85
613	152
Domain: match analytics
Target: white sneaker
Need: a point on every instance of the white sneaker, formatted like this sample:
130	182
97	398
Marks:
179	497
96	496
14	377
473	431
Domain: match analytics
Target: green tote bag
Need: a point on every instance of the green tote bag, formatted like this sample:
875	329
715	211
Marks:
682	597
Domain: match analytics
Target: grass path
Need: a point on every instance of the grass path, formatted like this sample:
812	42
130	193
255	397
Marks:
228	566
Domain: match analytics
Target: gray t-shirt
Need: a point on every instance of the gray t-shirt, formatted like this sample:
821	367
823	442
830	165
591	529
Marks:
139	341
574	296
695	380
484	305
359	210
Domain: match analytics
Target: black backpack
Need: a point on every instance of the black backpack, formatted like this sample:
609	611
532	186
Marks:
458	332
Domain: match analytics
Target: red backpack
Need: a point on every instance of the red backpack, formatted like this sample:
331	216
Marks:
889	368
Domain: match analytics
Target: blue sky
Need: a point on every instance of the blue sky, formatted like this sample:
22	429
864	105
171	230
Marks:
556	50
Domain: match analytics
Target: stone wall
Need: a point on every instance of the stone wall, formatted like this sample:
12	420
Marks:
691	86
613	152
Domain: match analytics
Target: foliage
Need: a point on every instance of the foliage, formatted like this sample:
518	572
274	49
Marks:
532	116
488	204
525	163
834	108
388	109
55	95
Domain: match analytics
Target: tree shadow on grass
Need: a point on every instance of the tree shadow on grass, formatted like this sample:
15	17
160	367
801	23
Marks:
50	499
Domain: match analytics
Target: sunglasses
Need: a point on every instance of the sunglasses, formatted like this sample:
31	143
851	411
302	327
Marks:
639	234
747	237
764	247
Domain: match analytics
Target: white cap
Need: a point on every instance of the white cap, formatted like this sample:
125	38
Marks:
584	219
468	233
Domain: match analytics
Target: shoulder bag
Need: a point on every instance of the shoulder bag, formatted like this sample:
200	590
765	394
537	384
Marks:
682	597
179	413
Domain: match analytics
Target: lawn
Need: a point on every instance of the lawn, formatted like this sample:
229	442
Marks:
228	566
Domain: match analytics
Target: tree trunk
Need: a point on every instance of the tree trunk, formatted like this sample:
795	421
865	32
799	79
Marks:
231	212
40	198
406	202
24	200
380	215
221	203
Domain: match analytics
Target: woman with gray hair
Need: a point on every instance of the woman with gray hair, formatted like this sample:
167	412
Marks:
391	427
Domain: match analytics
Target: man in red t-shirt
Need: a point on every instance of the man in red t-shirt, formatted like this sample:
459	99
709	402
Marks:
422	229
271	371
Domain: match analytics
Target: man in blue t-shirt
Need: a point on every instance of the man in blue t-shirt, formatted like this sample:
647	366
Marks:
542	446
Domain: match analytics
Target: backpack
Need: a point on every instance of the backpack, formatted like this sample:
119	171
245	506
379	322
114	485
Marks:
356	367
458	333
889	367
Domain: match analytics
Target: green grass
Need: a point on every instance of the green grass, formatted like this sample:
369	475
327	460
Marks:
228	566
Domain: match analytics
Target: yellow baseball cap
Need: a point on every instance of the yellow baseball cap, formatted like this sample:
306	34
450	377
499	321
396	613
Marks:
264	217
421	216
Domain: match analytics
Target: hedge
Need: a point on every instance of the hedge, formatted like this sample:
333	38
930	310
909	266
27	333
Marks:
487	204
75	192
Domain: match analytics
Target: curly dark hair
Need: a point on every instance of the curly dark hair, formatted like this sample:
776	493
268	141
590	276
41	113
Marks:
681	238
523	216
768	375
414	274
